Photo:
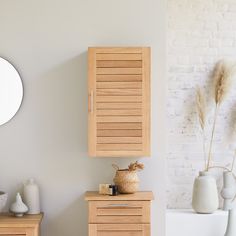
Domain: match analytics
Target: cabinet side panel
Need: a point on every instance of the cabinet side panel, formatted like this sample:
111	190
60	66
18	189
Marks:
146	101
92	101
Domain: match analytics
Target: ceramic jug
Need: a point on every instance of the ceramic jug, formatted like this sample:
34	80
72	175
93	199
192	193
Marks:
31	196
205	195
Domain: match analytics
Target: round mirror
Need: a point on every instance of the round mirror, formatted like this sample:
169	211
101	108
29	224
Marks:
11	91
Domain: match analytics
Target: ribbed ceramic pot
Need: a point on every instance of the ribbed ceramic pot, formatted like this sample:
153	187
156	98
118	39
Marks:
127	181
205	195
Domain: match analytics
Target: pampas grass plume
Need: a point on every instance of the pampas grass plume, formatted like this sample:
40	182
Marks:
201	107
221	77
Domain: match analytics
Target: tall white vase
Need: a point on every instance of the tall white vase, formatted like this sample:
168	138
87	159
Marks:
31	197
229	190
231	226
205	195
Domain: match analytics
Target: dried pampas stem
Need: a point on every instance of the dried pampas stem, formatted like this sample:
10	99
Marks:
201	107
201	110
212	137
222	75
232	167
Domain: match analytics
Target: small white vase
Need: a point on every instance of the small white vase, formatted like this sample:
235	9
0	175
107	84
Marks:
231	226
18	207
229	190
31	196
3	200
205	195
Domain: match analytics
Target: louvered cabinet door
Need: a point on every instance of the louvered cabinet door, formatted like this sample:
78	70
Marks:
119	102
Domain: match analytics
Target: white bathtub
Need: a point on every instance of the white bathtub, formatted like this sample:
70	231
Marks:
188	223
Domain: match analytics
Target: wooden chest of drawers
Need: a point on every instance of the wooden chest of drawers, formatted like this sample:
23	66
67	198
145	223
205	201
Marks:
122	215
27	225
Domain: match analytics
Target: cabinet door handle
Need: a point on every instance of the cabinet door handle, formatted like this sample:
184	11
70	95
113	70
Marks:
91	101
118	205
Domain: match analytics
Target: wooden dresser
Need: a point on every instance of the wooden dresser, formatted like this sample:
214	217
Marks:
122	215
28	225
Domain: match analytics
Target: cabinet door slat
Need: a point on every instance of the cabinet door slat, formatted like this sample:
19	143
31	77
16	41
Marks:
119	64
118	78
119	98
119	119
119	85
137	112
119	105
119	71
119	133
119	56
118	125
111	140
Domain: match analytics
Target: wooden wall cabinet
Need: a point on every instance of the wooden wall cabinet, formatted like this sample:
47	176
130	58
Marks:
122	215
28	225
119	102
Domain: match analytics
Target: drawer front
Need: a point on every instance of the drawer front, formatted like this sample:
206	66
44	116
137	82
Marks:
119	211
119	230
11	231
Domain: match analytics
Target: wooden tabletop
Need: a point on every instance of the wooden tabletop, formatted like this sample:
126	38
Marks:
138	196
26	220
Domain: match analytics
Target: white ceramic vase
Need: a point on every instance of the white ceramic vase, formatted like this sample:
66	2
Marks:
31	196
3	200
18	207
205	195
229	190
231	226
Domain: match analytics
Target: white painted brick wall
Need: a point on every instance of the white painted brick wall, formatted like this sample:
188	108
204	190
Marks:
200	33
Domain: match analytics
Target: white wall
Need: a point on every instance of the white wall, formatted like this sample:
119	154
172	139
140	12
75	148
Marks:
47	139
199	34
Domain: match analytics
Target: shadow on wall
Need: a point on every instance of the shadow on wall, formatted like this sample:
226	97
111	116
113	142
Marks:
61	114
72	219
62	101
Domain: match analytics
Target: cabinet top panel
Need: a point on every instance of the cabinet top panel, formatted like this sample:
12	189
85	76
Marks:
138	196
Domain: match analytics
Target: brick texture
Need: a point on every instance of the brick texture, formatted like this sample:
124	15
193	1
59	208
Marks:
199	34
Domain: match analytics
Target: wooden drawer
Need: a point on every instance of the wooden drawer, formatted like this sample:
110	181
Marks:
119	230
119	212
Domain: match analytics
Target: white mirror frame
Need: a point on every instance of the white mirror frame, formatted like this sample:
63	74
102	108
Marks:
11	91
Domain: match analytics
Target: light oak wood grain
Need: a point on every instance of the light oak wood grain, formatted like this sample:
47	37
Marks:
119	85
119	64
128	125
119	133
119	119
138	196
119	71
118	78
122	215
119	211
112	140
27	225
119	147
119	105
133	112
119	92
119	99
112	50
